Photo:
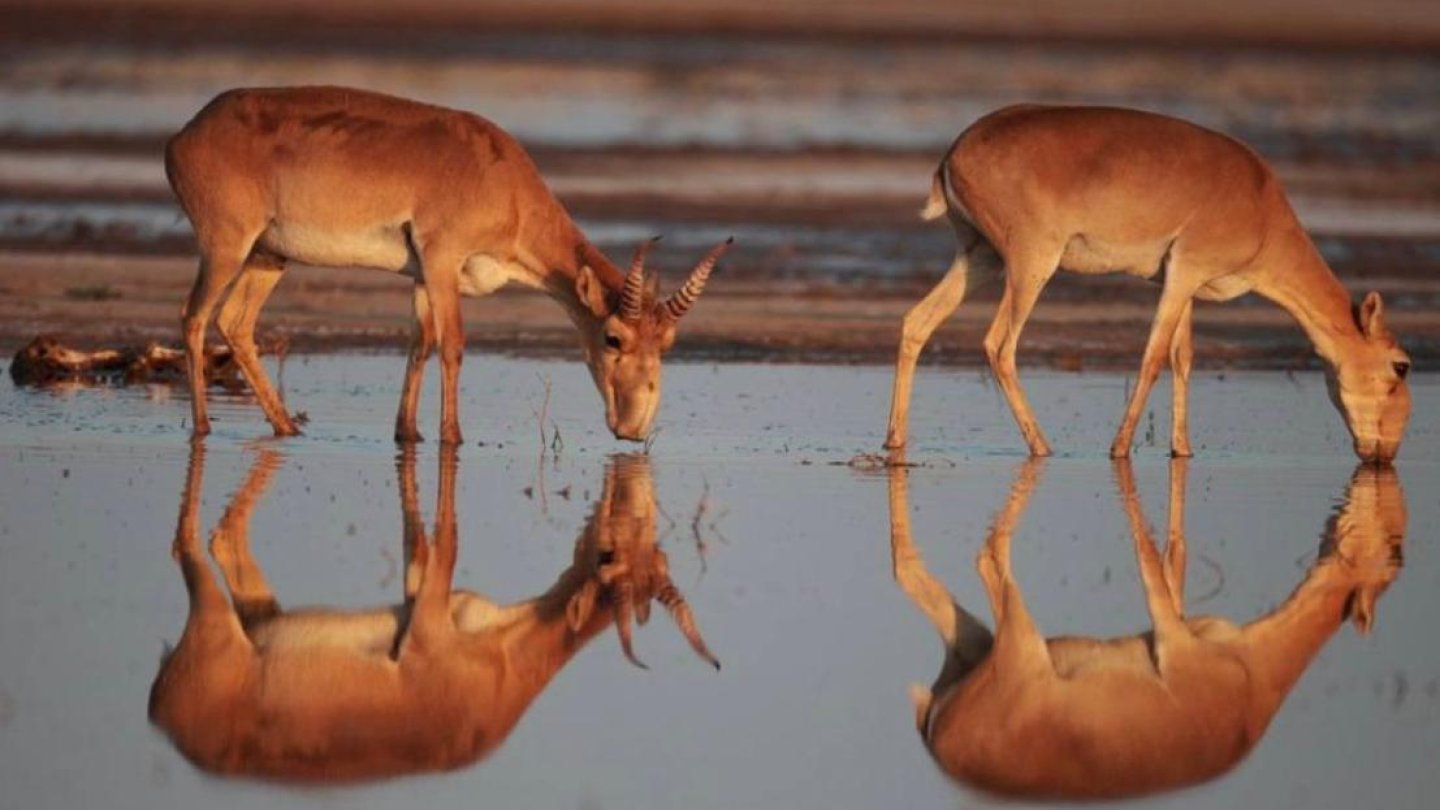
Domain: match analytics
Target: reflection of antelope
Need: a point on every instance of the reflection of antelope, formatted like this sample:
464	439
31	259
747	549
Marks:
1025	716
434	683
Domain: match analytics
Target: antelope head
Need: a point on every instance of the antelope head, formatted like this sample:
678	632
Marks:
1368	386
627	568
1364	540
629	331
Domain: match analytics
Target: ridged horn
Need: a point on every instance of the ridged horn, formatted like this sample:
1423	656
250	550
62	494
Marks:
682	299
670	597
624	595
632	298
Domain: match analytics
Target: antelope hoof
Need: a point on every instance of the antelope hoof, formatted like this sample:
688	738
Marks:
286	429
408	436
451	437
1180	451
1120	450
1040	448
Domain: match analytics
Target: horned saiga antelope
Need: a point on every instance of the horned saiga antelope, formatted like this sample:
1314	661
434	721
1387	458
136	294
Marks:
1031	190
435	682
1025	716
346	178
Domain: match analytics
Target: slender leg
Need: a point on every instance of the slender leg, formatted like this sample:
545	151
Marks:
1159	598
975	264
413	525
221	259
440	270
230	545
1025	277
431	627
1175	555
210	613
236	322
1181	353
422	343
1173	303
1018	642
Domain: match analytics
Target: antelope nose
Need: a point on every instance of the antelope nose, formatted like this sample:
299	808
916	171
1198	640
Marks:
1371	452
629	435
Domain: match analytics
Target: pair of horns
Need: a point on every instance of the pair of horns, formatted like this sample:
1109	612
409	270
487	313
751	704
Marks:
674	602
632	297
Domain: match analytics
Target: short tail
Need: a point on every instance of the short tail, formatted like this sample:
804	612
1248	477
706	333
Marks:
936	206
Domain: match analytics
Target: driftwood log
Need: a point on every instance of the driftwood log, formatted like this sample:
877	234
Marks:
45	361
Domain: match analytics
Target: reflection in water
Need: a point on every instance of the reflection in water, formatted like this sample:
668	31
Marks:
1021	715
436	682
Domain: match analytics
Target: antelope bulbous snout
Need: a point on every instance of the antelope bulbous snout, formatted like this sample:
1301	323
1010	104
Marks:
630	435
1377	451
635	428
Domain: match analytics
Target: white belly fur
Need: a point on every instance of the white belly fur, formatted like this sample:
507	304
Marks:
484	274
385	248
1091	255
381	248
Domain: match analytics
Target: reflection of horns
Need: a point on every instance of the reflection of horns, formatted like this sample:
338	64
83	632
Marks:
624	607
680	302
670	597
632	297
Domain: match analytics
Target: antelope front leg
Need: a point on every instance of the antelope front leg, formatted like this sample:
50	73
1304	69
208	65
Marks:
1173	303
441	269
422	343
1181	353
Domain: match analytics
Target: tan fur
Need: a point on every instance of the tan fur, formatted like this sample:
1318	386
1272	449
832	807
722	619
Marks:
433	683
1032	190
1025	716
348	178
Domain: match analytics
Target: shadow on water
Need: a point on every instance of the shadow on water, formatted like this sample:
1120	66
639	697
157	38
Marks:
435	682
1020	715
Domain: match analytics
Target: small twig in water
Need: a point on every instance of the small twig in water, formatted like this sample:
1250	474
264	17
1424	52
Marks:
543	414
700	509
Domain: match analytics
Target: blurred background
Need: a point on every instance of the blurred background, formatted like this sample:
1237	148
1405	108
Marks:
807	129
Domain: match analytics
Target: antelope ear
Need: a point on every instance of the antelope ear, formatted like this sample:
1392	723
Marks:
921	697
1361	608
1371	316
592	293
577	611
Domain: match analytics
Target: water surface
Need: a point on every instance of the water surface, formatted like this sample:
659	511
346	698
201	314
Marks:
787	569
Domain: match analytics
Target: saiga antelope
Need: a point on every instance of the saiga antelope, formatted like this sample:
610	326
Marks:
436	682
346	178
1031	190
1024	716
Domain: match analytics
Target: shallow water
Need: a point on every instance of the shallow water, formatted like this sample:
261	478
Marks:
790	580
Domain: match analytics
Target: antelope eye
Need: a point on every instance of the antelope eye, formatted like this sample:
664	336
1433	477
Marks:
613	341
1401	369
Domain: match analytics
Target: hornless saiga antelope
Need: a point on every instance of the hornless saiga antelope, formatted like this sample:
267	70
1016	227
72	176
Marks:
347	178
1031	190
434	683
1020	715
